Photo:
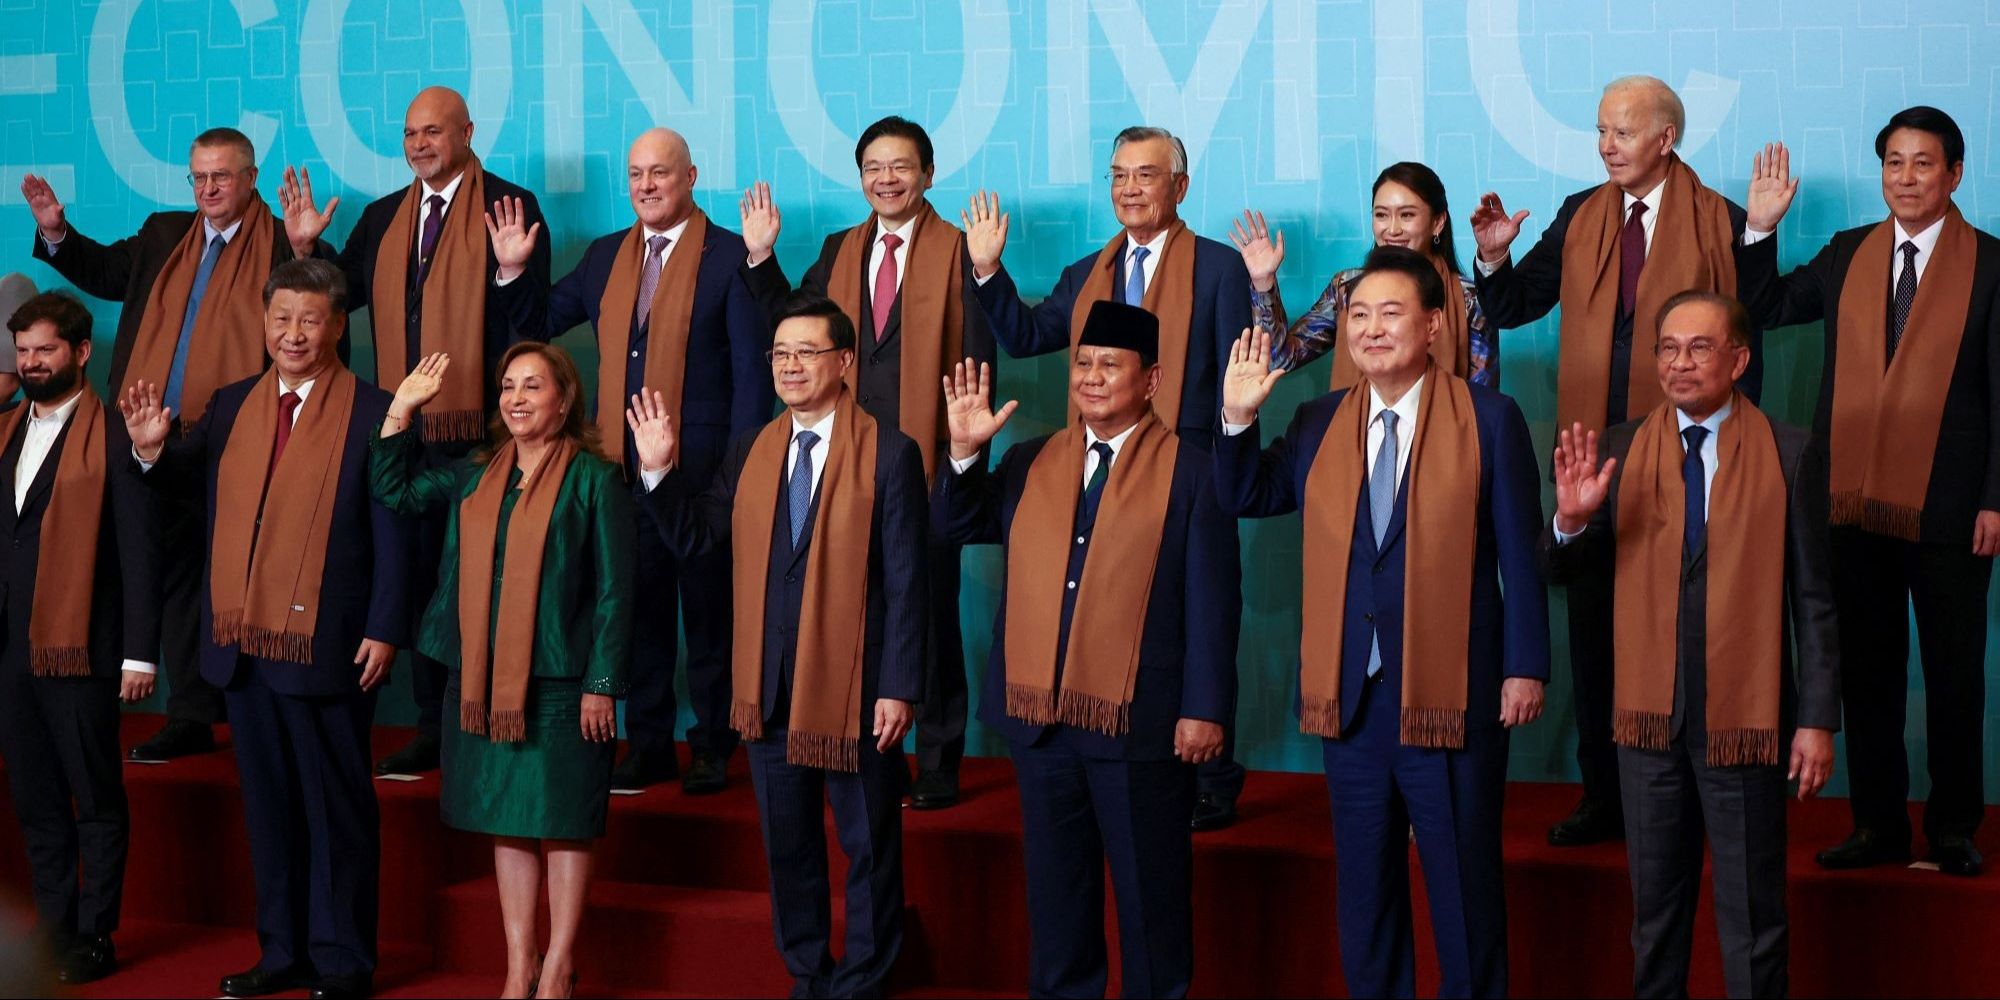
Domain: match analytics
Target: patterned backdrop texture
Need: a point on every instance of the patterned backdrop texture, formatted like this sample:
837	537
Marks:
1287	106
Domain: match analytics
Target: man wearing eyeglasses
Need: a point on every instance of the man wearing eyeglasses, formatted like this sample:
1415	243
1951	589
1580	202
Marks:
904	280
1197	287
191	289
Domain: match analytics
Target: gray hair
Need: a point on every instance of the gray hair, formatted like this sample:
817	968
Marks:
1667	106
1142	133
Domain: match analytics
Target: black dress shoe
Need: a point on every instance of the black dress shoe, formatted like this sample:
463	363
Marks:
641	768
342	988
705	775
261	982
1592	822
88	961
934	790
1212	812
416	757
1957	856
1863	848
178	738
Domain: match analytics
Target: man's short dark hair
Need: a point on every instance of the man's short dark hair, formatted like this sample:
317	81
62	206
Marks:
897	127
801	305
70	318
1417	267
226	136
308	274
1925	118
1739	317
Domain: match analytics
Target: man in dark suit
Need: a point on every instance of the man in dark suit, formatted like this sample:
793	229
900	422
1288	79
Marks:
1612	255
1412	696
823	510
81	625
305	602
1106	701
1197	287
905	282
423	245
708	358
1704	711
1909	413
189	293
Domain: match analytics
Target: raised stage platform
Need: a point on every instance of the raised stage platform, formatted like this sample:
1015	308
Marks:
679	904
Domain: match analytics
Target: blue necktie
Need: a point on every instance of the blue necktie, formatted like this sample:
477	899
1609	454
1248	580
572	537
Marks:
176	374
1135	282
802	483
1694	481
1381	504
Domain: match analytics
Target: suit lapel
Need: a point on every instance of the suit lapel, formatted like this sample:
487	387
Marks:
45	477
1393	535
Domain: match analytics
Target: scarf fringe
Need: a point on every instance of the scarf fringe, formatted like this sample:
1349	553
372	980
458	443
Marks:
472	716
507	727
59	661
1643	730
1099	715
747	718
1851	507
1434	728
264	643
1736	747
1320	717
829	753
454	425
1032	705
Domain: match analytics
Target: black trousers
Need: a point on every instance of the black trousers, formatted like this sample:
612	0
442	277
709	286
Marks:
941	716
183	539
1590	653
1876	582
1673	798
60	738
672	593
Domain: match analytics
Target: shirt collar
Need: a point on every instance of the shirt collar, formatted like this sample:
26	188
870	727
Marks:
1652	200
449	191
672	233
304	389
1924	240
1116	441
62	413
1154	247
823	429
209	232
906	230
1714	421
1405	408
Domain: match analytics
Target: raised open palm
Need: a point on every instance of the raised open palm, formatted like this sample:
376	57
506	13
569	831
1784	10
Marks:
1493	229
653	439
1772	187
761	221
985	232
1263	248
513	239
1249	379
421	385
968	397
304	221
1581	484
44	206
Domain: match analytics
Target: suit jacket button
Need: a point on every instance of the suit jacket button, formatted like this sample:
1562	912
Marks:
791	579
1368	617
866	398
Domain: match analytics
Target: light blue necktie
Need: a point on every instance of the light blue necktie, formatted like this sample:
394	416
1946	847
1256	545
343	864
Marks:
802	483
1382	503
176	374
1135	283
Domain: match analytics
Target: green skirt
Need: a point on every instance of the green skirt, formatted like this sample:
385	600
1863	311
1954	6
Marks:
553	785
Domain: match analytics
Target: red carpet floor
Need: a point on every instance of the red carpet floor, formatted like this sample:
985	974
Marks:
679	904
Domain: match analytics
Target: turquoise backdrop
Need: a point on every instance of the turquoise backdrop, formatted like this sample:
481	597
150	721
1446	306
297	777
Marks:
1288	106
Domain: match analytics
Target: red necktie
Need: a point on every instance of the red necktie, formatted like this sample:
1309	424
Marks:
885	283
288	404
1631	259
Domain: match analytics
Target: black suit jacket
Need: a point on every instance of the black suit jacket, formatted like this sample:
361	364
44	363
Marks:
1519	294
125	589
1812	698
1965	468
878	376
694	519
125	272
511	309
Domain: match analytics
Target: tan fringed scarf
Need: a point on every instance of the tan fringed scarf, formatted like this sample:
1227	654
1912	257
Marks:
1101	662
1746	587
1693	248
1452	350
509	661
824	729
454	316
66	571
1885	422
263	582
227	344
666	328
1169	297
1441	522
933	318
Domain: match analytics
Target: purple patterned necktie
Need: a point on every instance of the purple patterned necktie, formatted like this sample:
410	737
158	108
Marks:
649	277
432	227
1631	259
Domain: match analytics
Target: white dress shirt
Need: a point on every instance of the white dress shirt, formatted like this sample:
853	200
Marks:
1926	242
1155	248
1406	425
1647	223
824	429
882	228
1710	459
1090	440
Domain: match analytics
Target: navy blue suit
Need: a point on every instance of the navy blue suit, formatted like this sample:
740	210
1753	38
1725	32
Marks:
1085	796
1379	787
301	729
726	390
792	800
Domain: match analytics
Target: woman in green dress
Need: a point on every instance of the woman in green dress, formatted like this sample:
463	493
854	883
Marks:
533	617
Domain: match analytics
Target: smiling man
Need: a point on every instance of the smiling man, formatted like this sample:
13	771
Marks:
1421	507
1909	411
1611	257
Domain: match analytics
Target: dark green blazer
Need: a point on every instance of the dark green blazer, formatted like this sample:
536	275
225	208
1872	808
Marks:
583	618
